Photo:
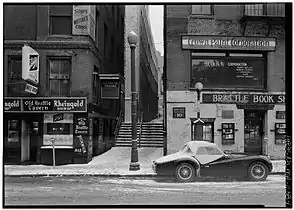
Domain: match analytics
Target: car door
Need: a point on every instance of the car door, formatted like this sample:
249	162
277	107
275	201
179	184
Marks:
206	156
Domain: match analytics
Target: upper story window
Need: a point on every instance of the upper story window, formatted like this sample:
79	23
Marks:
60	19
229	70
59	76
14	75
202	9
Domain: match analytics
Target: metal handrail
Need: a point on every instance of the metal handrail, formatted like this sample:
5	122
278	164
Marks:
141	123
117	126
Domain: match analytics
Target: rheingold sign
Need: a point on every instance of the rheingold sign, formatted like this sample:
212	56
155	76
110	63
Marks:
226	42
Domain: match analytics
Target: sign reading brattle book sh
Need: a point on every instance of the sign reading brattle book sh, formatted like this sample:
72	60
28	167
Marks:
83	22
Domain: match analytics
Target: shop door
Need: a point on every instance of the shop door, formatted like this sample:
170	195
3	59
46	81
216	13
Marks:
253	131
12	141
36	133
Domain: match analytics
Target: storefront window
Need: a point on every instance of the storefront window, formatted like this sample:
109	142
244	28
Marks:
230	71
207	132
13	131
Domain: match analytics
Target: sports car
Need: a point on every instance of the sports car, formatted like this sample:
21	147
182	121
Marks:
198	159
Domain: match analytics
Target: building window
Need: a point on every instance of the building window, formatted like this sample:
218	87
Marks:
96	84
202	9
14	75
226	70
60	19
59	76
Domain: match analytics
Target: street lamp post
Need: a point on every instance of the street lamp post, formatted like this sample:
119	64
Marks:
198	122
134	165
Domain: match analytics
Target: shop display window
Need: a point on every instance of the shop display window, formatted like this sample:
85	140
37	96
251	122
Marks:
13	131
228	133
280	133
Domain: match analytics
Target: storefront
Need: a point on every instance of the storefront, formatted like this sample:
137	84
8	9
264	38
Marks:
239	111
33	125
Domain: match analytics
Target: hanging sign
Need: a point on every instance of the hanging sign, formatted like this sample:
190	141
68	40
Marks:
31	88
30	64
81	133
109	89
83	22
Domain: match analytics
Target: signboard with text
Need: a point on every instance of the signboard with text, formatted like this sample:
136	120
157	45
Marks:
81	133
228	43
84	20
110	89
12	105
179	112
246	99
46	104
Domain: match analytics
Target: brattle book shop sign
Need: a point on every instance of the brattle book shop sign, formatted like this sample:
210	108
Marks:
244	99
47	104
230	43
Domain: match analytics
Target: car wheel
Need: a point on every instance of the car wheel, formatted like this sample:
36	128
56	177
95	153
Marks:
257	171
185	172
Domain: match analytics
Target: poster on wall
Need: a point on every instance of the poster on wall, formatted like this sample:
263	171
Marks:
84	20
30	64
81	133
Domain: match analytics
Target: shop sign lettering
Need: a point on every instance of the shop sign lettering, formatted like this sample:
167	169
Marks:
84	20
12	105
232	43
38	104
81	133
244	98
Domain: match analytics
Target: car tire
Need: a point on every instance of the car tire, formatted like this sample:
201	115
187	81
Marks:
257	171
185	172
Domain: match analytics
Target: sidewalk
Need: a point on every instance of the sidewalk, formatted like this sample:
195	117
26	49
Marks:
114	162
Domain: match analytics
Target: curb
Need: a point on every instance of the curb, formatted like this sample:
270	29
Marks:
105	175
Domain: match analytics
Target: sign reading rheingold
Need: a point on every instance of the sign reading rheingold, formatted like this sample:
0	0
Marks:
30	64
12	105
226	98
84	20
227	42
46	104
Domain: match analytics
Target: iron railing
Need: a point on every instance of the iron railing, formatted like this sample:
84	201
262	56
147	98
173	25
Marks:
265	9
117	126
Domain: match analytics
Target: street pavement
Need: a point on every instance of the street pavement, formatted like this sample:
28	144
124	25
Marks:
114	162
90	190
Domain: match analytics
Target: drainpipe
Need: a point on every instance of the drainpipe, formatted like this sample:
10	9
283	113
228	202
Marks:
164	87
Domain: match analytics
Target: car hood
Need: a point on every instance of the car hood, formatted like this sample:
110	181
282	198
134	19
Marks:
171	157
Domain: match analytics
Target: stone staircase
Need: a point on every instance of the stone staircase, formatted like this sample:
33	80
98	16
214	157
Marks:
152	135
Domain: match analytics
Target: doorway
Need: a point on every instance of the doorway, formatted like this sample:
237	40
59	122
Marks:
253	131
35	135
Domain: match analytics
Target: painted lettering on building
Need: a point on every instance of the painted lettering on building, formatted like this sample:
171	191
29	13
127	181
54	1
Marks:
11	105
232	43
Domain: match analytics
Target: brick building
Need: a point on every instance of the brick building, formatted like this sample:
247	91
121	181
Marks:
65	84
137	20
238	53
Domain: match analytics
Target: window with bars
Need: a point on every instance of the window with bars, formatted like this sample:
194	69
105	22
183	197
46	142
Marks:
59	76
60	19
202	9
14	75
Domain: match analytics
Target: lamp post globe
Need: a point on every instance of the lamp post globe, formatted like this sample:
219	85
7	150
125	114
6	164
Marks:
132	38
199	86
